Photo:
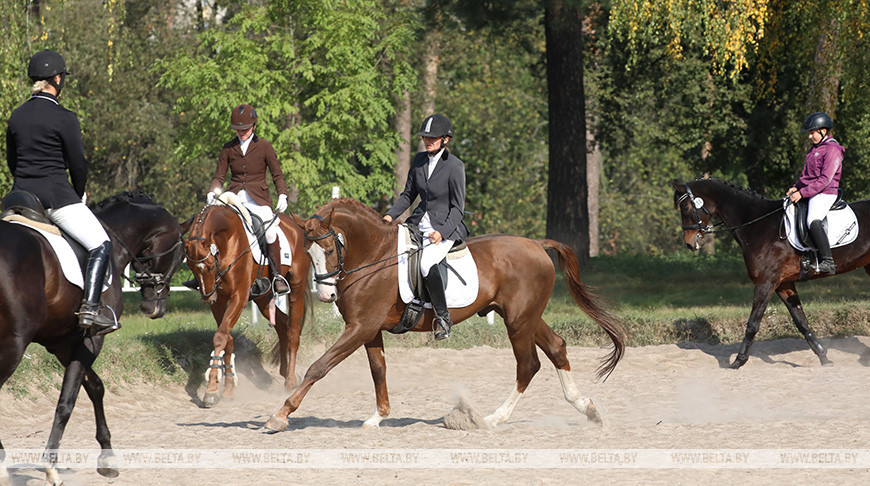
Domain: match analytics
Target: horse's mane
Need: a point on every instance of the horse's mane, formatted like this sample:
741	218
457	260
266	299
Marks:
138	197
344	202
734	187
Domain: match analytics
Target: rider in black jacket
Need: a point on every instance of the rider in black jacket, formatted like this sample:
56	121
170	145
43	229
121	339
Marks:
44	143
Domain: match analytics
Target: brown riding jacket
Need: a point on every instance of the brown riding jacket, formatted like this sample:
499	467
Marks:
248	171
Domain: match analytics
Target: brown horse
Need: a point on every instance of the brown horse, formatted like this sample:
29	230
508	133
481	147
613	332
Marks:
354	251
773	265
38	304
220	258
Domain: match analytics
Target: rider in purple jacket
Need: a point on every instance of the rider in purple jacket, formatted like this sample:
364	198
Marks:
819	181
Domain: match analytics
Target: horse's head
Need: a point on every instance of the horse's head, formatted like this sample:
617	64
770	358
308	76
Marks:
151	237
203	255
696	211
326	246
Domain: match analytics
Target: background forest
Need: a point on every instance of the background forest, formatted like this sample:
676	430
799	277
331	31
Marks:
663	90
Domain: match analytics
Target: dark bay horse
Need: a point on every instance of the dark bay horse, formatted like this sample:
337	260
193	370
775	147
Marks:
220	258
37	304
354	253
773	265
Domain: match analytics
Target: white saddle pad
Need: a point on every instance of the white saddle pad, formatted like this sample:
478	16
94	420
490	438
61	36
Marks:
232	199
457	294
72	271
842	227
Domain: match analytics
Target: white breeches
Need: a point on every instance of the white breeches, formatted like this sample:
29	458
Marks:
77	220
818	206
433	254
264	212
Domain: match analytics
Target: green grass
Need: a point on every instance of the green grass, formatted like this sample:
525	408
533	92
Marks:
662	299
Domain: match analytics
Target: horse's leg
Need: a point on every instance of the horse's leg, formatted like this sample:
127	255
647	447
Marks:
788	293
107	464
378	366
221	310
230	376
288	328
555	349
763	293
69	392
352	338
523	344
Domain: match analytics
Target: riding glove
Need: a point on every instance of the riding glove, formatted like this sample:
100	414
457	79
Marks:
282	203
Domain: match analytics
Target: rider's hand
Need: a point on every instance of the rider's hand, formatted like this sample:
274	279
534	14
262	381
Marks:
388	218
210	197
795	196
435	237
282	203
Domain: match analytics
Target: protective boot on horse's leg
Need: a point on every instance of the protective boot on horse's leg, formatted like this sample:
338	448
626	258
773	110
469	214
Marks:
91	312
435	287
279	283
820	238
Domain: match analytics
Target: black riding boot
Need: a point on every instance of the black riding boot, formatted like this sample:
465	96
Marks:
91	312
279	283
435	286
820	238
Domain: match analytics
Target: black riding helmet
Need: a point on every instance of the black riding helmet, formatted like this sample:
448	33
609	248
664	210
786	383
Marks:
45	65
436	125
817	121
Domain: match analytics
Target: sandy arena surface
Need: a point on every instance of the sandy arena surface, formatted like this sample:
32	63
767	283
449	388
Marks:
659	397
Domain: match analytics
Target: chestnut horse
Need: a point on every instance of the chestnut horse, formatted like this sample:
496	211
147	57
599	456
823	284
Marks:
772	263
37	304
354	253
220	258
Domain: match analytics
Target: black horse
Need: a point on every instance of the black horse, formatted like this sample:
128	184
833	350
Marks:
772	263
37	304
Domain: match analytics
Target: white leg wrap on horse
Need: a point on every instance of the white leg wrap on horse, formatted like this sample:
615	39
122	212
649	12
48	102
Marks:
219	360
572	394
231	369
52	477
373	422
504	412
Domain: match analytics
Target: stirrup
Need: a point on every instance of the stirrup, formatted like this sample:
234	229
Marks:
276	281
93	316
827	266
441	328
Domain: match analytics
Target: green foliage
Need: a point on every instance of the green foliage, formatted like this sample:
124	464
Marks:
322	76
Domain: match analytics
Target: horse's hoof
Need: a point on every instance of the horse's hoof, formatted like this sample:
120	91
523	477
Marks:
107	466
592	414
738	362
276	424
210	400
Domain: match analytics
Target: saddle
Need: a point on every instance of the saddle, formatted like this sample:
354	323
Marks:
801	226
25	207
414	309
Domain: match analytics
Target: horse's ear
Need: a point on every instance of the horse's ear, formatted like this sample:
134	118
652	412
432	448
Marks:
185	226
300	221
327	221
677	184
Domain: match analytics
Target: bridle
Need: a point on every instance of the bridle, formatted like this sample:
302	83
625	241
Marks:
145	277
698	203
340	248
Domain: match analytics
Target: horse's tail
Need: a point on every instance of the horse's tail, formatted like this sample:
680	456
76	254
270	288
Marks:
308	310
591	304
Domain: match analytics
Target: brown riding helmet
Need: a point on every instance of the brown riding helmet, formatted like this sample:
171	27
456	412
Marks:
243	118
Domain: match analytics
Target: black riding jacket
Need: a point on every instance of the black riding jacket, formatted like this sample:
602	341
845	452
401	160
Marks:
43	143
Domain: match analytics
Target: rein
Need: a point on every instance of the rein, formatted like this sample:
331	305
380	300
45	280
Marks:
698	203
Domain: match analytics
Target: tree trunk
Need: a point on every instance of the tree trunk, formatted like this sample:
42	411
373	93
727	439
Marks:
567	209
593	182
430	78
827	69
